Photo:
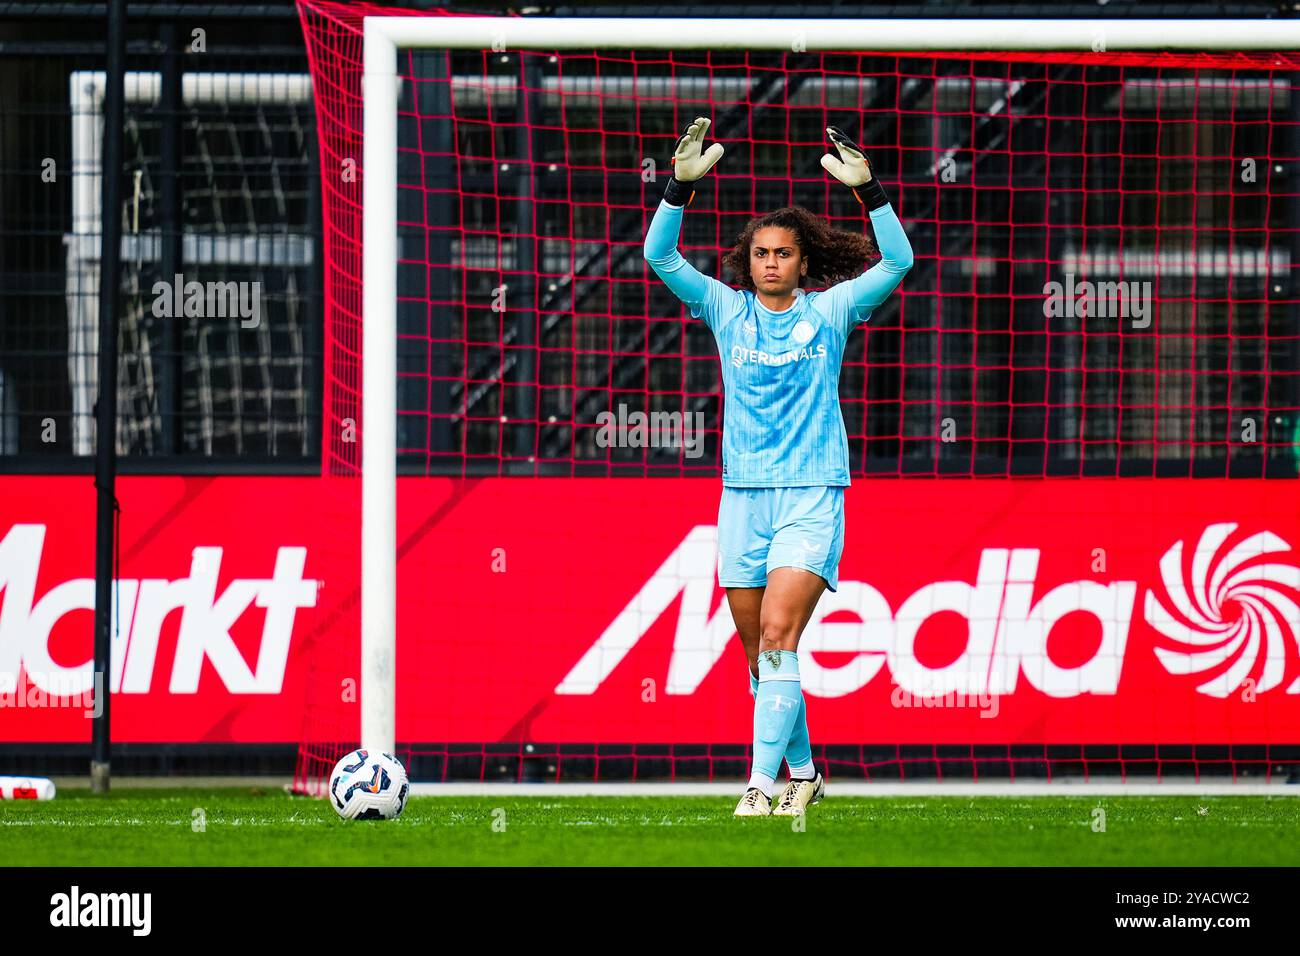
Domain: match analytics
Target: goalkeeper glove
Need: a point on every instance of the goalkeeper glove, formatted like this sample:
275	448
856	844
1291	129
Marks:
853	170
690	162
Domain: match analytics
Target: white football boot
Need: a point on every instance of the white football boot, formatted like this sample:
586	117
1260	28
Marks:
798	795
754	804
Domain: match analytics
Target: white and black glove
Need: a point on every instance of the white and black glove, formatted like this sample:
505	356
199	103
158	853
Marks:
691	162
854	170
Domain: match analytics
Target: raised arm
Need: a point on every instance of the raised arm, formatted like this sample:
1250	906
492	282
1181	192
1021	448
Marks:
872	288
869	290
685	281
701	293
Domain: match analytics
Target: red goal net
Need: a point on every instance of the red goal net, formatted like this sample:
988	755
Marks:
1104	287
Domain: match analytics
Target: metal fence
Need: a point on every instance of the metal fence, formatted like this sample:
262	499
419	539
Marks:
220	192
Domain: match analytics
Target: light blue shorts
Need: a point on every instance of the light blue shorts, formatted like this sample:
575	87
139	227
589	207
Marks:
764	528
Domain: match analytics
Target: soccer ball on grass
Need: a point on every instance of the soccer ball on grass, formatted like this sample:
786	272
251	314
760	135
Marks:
368	785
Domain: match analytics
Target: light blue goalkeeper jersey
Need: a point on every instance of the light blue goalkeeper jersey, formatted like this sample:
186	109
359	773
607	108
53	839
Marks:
782	425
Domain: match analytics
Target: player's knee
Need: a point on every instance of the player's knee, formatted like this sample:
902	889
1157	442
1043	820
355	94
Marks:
778	633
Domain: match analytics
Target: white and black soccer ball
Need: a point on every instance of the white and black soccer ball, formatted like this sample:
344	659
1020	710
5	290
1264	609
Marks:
368	785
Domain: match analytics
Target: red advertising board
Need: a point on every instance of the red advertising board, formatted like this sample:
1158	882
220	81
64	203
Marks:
588	610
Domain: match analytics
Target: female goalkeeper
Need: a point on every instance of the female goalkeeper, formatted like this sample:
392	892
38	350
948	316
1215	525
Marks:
784	451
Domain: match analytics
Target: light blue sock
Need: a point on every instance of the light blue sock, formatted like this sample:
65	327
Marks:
776	705
798	753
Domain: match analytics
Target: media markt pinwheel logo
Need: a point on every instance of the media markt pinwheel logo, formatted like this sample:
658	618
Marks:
1234	618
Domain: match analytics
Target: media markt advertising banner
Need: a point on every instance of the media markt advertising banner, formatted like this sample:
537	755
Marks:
560	610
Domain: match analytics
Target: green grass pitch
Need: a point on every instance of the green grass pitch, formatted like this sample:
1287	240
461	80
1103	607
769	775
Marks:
242	827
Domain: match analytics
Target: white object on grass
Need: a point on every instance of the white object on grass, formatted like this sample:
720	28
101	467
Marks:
26	788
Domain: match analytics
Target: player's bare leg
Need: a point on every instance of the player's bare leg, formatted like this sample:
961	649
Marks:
789	602
746	605
767	622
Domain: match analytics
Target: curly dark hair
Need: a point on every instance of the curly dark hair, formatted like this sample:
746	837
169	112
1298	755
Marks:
833	254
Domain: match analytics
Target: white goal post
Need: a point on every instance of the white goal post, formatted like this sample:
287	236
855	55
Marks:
385	35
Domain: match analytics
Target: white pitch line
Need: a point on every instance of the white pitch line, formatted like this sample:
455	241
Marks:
859	789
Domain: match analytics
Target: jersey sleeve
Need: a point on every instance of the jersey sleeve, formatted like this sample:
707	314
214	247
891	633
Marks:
853	300
707	298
